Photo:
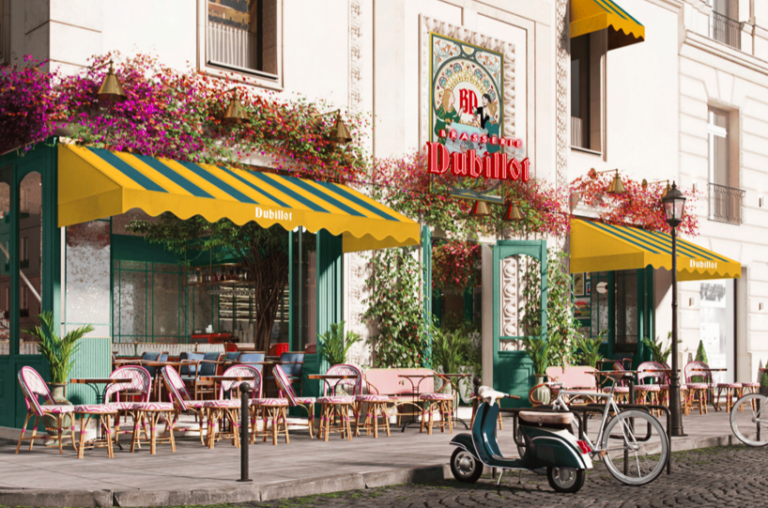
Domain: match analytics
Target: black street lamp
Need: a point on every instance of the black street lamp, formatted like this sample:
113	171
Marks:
674	204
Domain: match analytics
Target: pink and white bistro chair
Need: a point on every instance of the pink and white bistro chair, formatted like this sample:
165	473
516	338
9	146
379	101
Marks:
229	408
180	398
286	390
144	413
337	403
273	411
645	392
730	389
33	386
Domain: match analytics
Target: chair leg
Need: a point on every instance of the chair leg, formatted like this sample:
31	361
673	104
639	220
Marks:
423	417
108	426
34	433
385	417
83	425
501	424
23	429
136	431
284	413
60	432
347	408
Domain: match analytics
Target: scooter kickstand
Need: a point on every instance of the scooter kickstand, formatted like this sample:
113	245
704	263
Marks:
501	474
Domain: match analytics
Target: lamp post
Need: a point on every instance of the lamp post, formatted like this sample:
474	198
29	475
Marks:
674	204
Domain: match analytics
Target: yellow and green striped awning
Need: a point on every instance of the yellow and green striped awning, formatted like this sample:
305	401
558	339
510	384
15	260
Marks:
95	183
597	247
589	16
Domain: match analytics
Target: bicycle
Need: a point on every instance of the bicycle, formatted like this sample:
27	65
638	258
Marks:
749	419
630	458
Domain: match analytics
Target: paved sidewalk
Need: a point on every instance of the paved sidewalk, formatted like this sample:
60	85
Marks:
197	475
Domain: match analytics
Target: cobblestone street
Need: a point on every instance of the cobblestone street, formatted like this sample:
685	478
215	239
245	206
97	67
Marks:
716	477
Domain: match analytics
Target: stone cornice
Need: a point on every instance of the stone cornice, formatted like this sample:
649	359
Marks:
725	52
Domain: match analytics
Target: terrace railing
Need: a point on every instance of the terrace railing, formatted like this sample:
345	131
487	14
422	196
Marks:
724	29
725	204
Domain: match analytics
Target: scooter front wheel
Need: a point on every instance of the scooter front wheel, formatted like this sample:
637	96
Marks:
465	466
565	479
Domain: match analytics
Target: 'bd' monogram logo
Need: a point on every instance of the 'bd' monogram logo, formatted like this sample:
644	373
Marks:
467	101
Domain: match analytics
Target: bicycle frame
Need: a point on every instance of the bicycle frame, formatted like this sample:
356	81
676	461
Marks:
610	405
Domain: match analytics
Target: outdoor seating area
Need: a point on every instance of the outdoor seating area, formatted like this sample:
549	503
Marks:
152	400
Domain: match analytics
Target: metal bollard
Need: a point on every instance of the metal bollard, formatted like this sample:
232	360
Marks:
245	392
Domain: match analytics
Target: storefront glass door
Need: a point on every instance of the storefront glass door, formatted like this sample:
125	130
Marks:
716	325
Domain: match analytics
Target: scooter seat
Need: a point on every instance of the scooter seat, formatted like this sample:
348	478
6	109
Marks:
535	417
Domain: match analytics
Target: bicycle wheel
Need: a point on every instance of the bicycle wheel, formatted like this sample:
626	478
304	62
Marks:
749	419
635	446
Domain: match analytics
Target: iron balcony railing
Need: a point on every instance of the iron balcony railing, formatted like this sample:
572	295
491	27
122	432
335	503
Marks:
724	29
725	204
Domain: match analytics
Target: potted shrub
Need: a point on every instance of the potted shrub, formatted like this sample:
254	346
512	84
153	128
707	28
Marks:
538	351
58	353
335	344
764	383
590	349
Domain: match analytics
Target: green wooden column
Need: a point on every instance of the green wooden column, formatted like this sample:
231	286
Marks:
330	293
426	247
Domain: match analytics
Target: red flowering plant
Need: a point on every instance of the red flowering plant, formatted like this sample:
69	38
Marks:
455	265
178	114
639	206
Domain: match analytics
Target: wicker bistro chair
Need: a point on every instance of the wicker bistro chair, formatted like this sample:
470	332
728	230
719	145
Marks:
286	389
337	403
697	391
229	408
183	403
32	387
151	356
665	390
145	413
730	389
105	413
621	392
441	402
646	392
374	406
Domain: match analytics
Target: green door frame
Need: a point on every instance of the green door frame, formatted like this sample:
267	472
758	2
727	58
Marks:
513	370
42	158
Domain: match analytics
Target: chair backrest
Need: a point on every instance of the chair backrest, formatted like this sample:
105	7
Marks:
233	356
176	389
291	365
190	370
207	368
284	384
242	371
388	382
689	373
153	356
140	381
33	385
655	377
353	384
573	376
253	357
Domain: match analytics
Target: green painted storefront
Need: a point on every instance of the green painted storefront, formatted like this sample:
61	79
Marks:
127	254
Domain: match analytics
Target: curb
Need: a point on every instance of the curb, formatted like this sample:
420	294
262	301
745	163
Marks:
253	492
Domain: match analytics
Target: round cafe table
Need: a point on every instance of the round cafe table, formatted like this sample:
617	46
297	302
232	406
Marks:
92	382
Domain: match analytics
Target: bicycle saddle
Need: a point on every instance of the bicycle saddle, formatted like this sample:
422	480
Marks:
536	417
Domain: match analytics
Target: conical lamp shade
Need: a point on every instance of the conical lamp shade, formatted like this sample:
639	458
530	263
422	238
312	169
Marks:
514	214
480	209
666	191
340	132
616	187
236	112
111	90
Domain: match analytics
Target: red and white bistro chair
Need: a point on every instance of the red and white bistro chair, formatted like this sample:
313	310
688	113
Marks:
224	408
439	401
338	401
33	386
180	398
287	391
273	411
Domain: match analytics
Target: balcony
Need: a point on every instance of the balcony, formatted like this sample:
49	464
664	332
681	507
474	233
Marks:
724	29
725	204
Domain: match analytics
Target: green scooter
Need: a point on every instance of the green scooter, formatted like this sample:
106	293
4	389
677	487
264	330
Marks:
549	444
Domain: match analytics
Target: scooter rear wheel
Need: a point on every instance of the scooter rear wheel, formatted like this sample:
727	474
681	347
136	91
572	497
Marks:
565	479
465	467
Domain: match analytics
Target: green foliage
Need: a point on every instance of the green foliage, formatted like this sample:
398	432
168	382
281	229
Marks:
262	252
455	347
701	356
590	349
396	309
335	344
562	328
57	351
539	352
764	379
657	348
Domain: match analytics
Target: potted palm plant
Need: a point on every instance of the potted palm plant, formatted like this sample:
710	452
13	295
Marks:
335	344
58	353
538	351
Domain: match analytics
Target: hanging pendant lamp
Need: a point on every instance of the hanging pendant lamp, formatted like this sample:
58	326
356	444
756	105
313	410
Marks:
513	214
236	112
340	134
111	90
617	186
480	209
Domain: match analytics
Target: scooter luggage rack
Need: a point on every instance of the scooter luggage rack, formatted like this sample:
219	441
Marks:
580	412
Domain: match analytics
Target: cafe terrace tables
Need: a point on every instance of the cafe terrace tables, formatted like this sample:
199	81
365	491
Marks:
93	381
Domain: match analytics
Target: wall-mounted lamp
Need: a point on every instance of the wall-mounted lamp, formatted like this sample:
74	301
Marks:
513	214
646	183
236	112
340	133
480	209
111	90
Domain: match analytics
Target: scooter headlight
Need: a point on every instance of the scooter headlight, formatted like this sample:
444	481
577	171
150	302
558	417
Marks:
584	447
